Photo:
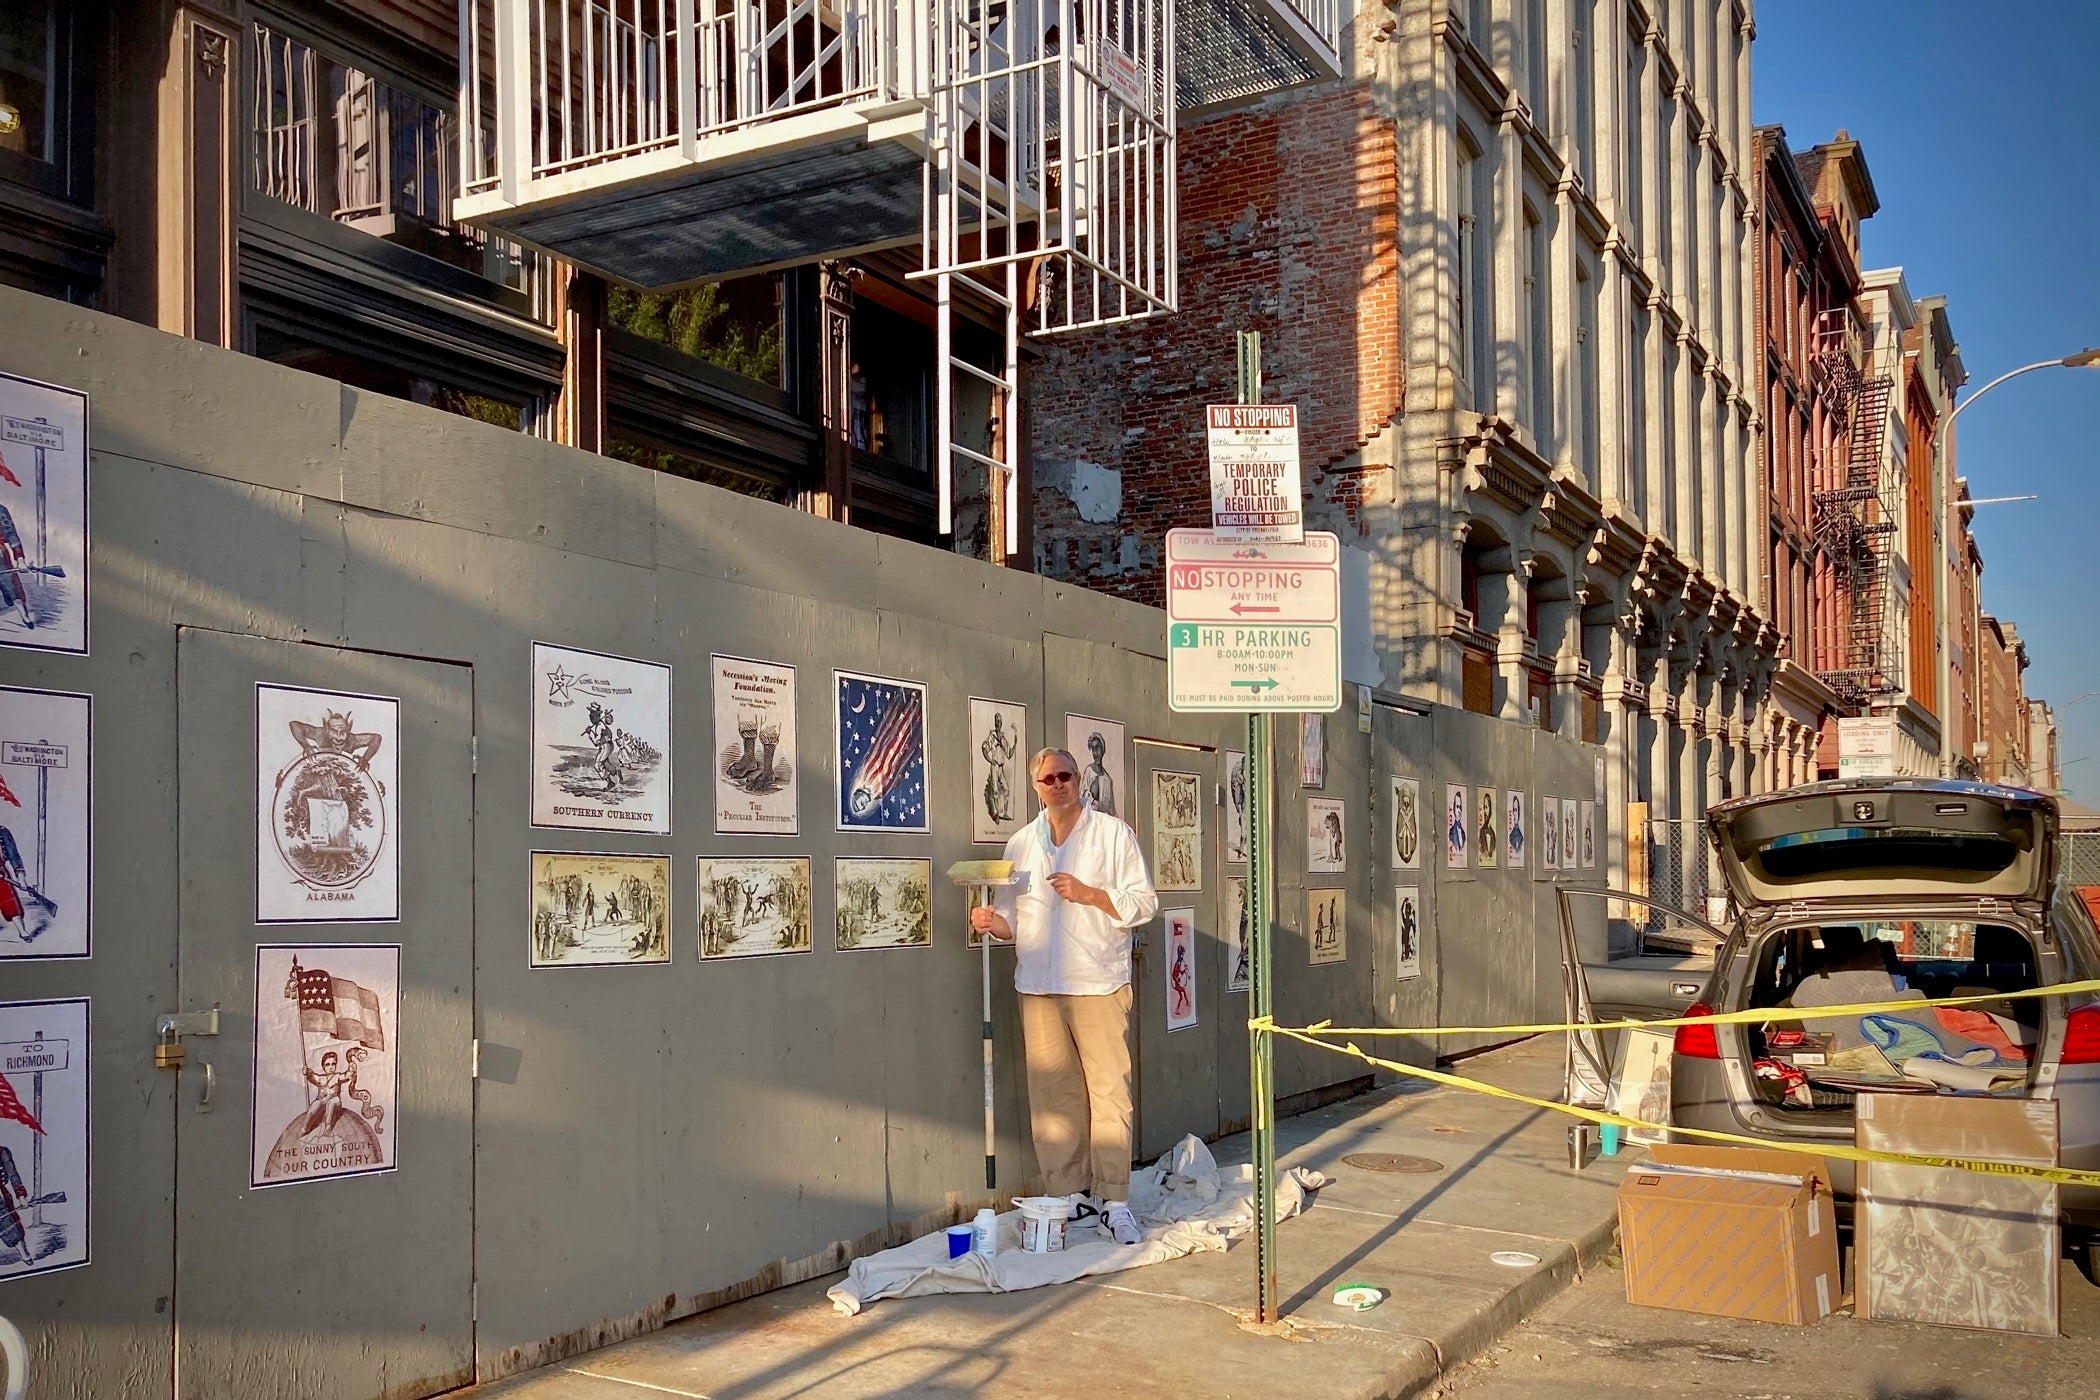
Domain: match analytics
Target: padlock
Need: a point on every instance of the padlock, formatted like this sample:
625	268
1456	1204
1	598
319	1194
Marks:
168	1054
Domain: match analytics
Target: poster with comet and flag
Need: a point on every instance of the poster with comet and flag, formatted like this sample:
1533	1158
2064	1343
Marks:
881	753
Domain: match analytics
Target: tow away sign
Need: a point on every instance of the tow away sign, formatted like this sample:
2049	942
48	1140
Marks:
1255	494
1253	627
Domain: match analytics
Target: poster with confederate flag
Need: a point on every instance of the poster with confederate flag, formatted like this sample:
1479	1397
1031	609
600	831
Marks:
43	1136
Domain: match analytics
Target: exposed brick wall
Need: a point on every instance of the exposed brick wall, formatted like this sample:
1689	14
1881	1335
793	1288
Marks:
1288	227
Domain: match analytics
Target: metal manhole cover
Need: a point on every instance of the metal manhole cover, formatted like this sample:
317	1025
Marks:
1391	1162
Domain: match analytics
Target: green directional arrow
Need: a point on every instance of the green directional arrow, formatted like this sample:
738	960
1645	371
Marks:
1257	685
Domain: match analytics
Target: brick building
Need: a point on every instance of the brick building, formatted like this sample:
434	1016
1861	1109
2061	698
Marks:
2000	751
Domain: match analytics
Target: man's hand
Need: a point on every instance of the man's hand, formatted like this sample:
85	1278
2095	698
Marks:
985	919
1078	891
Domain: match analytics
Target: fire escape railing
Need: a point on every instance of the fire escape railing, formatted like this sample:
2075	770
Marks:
1855	513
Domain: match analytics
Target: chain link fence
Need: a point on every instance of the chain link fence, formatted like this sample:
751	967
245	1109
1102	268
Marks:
1677	875
2078	856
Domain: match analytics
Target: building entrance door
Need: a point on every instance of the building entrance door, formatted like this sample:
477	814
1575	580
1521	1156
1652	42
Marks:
324	1134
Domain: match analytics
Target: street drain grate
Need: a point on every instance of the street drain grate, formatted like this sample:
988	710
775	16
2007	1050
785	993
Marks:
1392	1162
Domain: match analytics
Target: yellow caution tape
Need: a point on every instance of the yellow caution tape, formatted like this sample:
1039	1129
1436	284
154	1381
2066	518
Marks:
2062	1176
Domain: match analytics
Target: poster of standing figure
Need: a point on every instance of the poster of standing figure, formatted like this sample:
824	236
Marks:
1458	832
1516	833
881	753
756	793
601	741
43	516
1406	825
752	907
1235	807
1177	831
1326	840
1407	932
883	903
1098	745
1589	836
327	806
1326	933
46	823
44	1148
1487	836
1236	915
1570	833
595	909
327	1081
998	762
1181	968
1549	833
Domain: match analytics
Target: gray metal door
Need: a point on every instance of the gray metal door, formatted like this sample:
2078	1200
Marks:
356	1282
1176	1072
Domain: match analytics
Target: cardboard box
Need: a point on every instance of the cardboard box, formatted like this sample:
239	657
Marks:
1730	1232
1953	1247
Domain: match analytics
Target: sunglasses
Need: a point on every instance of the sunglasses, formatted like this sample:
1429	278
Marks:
1051	779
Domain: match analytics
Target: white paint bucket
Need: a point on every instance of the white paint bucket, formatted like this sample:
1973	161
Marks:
1043	1223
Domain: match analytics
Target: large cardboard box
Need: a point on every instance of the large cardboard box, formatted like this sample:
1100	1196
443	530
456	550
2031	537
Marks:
1731	1232
1954	1247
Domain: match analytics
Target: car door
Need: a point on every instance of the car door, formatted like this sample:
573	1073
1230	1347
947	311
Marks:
1667	969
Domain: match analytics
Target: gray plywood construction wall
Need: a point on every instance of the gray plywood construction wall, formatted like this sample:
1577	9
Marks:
646	1135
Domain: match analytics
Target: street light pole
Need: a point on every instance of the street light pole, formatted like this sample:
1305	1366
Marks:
1942	574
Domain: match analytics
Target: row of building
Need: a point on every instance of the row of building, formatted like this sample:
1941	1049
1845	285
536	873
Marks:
1621	438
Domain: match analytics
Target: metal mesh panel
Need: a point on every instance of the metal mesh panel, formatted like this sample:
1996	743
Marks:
2079	857
1677	867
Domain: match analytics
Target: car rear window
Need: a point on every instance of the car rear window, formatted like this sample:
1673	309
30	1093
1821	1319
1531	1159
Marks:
1810	855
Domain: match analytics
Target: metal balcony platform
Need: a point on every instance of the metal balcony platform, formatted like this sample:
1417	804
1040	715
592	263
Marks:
1231	52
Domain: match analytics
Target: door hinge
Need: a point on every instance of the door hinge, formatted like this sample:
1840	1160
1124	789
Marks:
474	1301
474	755
474	1058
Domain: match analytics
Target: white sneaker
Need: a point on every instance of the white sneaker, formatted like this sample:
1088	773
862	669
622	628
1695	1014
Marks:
1119	1221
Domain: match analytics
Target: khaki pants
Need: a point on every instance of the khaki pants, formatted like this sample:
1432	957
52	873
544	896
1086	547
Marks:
1079	1091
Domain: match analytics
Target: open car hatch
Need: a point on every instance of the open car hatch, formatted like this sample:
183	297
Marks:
1887	837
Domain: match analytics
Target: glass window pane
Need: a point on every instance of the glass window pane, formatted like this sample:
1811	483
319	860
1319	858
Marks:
734	325
25	79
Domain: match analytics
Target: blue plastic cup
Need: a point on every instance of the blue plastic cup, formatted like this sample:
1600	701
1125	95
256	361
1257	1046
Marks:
958	1241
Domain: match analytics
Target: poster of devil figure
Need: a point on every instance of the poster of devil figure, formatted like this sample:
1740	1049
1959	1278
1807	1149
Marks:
601	741
881	753
43	516
999	780
327	806
43	1136
327	1082
755	751
46	823
1181	968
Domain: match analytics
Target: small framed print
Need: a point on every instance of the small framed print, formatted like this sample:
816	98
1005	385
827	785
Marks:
1326	837
1326	927
1312	751
1487	830
1516	830
1458	832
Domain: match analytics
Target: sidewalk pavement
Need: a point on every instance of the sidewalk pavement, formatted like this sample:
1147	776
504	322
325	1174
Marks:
1183	1327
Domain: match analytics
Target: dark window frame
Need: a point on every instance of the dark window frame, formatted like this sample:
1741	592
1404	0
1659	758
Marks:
70	174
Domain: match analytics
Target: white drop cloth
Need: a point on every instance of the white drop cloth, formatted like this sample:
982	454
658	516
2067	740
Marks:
1183	1202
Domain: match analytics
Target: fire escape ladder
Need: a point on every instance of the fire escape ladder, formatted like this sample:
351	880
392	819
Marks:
1855	520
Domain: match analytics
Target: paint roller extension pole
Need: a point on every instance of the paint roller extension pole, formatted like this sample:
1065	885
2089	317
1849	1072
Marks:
991	1151
1261	1053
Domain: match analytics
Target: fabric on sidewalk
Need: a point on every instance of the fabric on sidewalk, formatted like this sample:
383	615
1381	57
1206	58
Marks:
1184	1202
1078	1057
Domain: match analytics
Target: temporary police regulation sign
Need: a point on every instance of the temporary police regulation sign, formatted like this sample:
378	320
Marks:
1255	497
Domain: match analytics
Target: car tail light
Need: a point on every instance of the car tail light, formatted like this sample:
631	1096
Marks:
2081	1037
1700	1042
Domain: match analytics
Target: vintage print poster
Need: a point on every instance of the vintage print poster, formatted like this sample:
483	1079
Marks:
1407	932
1458	831
1181	968
1406	825
1549	833
883	903
46	823
594	909
44	1146
1642	1090
1236	911
1177	831
1487	832
753	906
1312	751
1098	745
756	791
1326	842
1589	836
1516	833
601	741
1570	833
1326	933
881	753
327	1082
327	807
999	778
1235	807
43	516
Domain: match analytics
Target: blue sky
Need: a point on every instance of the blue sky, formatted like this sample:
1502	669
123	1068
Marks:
1983	138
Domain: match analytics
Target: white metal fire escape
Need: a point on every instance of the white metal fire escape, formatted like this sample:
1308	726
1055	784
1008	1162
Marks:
663	143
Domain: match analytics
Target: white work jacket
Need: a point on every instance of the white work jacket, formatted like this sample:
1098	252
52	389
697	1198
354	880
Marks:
1067	949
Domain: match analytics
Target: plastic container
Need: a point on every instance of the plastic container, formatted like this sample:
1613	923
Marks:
960	1239
984	1233
1043	1223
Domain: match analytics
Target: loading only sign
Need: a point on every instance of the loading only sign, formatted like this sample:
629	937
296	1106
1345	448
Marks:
1253	627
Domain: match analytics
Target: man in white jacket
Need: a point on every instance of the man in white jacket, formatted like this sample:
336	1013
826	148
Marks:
1084	888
